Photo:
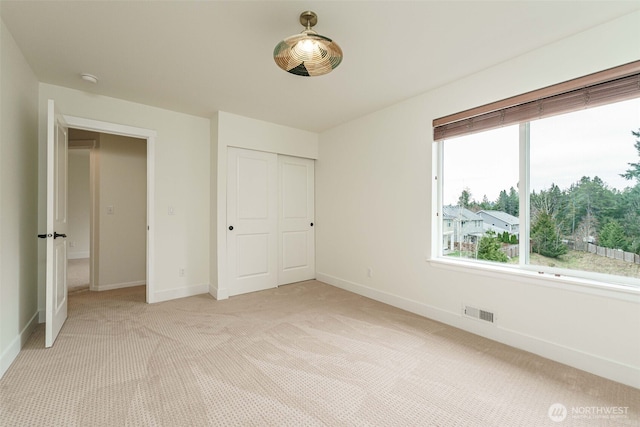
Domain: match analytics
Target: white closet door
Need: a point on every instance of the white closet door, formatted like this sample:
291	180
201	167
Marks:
296	236
252	220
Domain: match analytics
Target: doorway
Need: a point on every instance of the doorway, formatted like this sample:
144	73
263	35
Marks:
110	210
107	191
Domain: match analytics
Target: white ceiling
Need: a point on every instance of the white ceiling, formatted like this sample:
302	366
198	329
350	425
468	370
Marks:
205	56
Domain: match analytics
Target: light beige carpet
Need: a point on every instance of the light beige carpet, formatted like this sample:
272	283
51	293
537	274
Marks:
301	355
77	274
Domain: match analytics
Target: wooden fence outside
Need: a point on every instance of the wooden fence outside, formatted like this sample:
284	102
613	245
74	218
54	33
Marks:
608	252
513	251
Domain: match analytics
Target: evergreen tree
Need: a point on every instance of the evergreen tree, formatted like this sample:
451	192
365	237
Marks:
634	169
513	202
612	236
630	202
489	248
486	204
630	208
545	237
594	201
503	201
465	198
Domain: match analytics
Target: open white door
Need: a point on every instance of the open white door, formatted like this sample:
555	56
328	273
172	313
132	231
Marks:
56	283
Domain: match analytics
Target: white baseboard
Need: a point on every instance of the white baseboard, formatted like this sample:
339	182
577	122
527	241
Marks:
218	293
591	363
111	286
11	352
78	255
176	293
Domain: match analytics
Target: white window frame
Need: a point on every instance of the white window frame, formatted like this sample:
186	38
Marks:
626	288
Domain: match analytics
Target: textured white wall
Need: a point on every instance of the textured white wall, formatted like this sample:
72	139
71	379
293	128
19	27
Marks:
18	199
373	208
79	203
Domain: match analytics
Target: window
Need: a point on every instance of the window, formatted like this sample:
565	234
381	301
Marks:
548	183
476	169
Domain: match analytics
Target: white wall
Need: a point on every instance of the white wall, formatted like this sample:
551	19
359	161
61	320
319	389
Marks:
79	203
374	203
121	180
181	180
18	201
230	130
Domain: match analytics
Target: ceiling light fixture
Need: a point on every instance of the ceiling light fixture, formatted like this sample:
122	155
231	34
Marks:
89	78
308	53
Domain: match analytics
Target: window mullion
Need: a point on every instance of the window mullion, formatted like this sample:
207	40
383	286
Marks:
524	188
437	247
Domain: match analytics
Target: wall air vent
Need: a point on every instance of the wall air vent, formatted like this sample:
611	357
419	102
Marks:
486	316
477	313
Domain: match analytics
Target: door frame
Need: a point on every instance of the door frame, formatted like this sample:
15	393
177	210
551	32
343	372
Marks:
150	136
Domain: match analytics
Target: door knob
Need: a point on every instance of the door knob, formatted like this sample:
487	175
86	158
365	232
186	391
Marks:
231	228
311	224
56	235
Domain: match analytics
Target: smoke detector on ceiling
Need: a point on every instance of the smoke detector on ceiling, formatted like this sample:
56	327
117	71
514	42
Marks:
89	78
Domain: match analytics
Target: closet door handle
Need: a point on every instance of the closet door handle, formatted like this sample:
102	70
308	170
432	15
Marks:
311	224
231	228
56	235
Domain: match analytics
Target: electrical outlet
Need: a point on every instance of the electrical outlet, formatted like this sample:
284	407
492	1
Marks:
369	272
110	210
181	272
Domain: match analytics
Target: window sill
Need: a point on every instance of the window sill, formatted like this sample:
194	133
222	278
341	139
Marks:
574	284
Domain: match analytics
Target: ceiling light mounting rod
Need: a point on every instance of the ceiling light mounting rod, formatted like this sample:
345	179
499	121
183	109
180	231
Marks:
308	19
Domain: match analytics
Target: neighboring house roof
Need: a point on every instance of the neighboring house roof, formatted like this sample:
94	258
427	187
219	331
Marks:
503	217
458	212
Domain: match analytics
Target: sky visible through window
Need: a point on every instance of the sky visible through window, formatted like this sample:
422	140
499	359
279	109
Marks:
592	142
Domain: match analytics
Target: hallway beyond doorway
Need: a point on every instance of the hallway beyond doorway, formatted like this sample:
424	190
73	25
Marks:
77	274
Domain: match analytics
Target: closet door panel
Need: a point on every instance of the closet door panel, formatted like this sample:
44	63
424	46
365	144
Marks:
296	235
252	220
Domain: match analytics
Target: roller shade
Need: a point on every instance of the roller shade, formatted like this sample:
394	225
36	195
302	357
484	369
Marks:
613	85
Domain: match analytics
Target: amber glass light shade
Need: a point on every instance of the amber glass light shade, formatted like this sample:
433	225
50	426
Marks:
308	53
